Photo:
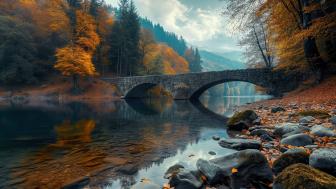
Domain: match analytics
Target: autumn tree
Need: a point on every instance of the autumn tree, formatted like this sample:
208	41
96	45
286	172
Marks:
146	44
305	27
297	31
75	59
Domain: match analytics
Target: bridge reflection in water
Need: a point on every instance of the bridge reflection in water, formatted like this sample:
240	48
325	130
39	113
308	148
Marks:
112	145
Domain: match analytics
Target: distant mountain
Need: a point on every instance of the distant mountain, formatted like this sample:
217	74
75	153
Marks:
233	55
215	62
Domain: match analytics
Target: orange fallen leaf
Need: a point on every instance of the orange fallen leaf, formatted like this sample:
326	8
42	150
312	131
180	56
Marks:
203	178
234	170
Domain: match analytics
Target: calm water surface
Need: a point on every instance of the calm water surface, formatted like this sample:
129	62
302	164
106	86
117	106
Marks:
108	144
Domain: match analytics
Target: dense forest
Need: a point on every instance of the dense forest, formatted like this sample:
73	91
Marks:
287	34
41	39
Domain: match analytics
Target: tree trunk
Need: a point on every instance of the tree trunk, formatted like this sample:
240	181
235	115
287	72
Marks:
316	63
75	87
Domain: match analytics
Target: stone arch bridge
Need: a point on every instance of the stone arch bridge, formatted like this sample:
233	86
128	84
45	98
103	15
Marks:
190	85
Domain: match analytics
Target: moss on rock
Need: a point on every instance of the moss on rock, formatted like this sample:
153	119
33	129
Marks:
300	176
245	117
315	113
288	159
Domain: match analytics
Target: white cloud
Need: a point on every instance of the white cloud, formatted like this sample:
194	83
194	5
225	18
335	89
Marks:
200	26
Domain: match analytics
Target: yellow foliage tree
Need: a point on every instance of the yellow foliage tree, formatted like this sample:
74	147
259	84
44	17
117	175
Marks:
52	17
301	29
74	61
161	59
85	33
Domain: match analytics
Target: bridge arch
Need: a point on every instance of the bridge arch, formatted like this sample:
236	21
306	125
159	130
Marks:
197	92
139	91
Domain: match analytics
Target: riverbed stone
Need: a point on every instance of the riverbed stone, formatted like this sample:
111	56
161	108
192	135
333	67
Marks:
321	131
216	137
240	144
187	180
237	169
242	120
277	109
290	157
257	121
297	140
258	132
301	129
285	128
173	170
306	120
333	120
266	137
213	172
324	159
303	176
212	153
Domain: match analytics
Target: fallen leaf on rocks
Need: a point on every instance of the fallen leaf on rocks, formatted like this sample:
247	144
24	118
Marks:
234	170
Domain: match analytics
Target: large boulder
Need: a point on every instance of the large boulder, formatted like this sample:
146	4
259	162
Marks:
213	172
242	120
285	128
324	159
303	176
321	131
241	169
297	140
240	144
290	157
186	180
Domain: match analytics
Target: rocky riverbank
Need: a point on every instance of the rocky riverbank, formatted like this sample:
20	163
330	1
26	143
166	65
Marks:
284	143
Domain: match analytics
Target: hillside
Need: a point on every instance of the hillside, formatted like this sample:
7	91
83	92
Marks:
215	62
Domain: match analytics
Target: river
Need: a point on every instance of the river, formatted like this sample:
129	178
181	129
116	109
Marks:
113	145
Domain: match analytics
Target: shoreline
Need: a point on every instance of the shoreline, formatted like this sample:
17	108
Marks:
281	143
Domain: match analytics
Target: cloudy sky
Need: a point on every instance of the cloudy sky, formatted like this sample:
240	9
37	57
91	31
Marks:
199	21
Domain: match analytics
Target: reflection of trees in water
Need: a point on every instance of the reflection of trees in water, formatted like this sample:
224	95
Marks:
107	144
68	132
69	158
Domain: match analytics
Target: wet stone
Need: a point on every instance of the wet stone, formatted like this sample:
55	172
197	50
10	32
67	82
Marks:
212	153
277	109
285	128
324	159
297	140
321	131
240	144
216	138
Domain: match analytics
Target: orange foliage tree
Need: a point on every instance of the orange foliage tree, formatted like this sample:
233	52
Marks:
76	59
161	59
303	32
